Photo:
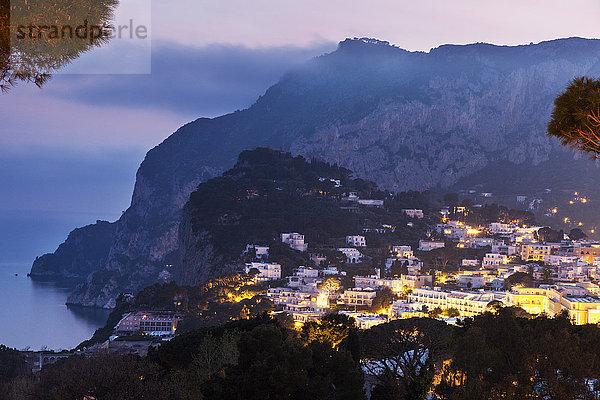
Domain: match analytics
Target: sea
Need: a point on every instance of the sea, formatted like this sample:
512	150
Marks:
33	313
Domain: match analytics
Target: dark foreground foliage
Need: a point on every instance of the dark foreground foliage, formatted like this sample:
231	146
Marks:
502	354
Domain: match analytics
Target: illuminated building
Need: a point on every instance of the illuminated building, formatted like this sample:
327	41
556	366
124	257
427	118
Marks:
158	323
267	271
467	303
535	252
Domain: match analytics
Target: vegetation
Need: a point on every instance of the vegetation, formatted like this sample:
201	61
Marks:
504	353
576	116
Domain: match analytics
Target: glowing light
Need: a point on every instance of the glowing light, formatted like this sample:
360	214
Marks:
473	232
584	200
576	193
571	202
554	210
580	224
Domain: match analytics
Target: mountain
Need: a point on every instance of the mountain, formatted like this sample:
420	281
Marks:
448	119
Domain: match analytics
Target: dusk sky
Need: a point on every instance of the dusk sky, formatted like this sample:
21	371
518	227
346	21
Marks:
74	146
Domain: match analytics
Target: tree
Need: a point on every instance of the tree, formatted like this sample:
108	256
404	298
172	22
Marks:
331	329
383	300
23	60
275	365
576	116
577	234
404	353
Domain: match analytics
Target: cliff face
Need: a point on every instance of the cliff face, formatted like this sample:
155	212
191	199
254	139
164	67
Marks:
85	251
406	120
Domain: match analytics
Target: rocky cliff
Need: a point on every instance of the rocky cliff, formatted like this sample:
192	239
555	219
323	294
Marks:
85	251
406	120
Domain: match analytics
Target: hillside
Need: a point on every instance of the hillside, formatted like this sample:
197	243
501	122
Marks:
405	120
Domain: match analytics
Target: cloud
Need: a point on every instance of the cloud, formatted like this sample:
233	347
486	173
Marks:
190	81
55	179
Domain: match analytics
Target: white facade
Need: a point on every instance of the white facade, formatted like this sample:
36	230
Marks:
371	203
498	228
413	213
295	241
468	304
428	246
494	260
352	255
356	241
470	263
402	251
395	284
267	271
358	297
261	251
471	281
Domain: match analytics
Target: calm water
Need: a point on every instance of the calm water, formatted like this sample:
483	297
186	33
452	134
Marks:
34	313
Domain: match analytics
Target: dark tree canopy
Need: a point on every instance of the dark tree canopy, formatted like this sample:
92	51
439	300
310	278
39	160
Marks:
576	116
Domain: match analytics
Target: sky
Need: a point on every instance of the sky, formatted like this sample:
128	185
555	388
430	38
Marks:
72	148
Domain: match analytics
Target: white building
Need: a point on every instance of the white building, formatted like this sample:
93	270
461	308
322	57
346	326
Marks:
475	242
371	203
295	241
267	271
413	213
299	301
471	281
402	251
261	252
506	249
468	304
395	284
470	263
356	241
428	246
498	228
303	276
494	260
365	321
358	297
352	255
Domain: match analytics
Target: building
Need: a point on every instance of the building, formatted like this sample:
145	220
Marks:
455	231
498	228
553	299
371	203
295	241
356	241
303	276
158	323
468	304
266	271
428	246
299	301
494	260
506	249
471	281
413	213
401	309
395	284
261	252
362	297
475	242
402	251
365	321
470	263
588	253
535	252
352	255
